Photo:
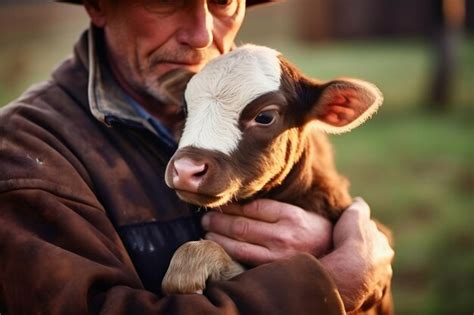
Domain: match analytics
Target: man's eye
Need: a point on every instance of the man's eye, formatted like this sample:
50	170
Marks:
224	7
266	117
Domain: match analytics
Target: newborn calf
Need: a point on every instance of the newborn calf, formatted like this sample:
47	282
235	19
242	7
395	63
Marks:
255	129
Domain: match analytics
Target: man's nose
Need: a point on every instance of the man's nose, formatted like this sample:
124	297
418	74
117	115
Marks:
196	31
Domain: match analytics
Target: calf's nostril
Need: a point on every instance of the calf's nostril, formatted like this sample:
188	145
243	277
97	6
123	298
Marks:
175	170
186	169
202	172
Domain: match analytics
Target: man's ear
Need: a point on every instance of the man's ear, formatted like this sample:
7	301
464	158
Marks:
173	84
344	104
96	11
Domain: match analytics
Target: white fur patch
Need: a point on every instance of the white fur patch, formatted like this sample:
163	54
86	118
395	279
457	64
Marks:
217	95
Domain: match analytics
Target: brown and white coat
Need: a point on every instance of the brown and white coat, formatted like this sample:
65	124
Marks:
255	128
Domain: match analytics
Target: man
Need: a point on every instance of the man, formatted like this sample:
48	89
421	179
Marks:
88	224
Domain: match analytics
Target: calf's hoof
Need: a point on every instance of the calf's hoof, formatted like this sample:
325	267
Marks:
194	263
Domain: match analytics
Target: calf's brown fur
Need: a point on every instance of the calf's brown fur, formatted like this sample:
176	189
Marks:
290	161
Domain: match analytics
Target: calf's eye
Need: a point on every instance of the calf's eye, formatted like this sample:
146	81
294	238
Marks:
266	117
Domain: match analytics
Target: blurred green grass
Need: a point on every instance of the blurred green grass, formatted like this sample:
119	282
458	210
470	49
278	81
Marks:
415	168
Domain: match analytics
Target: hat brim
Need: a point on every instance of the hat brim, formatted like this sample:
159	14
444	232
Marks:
248	3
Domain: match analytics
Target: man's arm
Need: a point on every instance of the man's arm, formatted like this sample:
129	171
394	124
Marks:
59	256
60	253
356	254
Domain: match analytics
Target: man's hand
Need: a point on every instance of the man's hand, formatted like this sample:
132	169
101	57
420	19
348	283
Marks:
265	230
360	263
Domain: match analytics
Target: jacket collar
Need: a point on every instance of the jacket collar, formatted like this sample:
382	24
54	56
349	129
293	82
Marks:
106	100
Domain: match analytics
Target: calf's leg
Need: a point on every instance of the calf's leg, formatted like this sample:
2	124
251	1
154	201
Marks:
196	262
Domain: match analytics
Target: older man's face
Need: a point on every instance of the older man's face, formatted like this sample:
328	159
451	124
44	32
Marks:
147	38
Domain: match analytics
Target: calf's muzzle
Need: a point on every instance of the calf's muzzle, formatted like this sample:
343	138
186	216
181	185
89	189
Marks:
188	174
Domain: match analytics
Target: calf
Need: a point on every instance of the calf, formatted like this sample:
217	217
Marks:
255	128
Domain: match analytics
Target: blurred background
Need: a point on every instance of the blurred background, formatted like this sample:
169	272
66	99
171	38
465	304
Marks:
413	162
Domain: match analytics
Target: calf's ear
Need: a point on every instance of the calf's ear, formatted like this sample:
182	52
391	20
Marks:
344	104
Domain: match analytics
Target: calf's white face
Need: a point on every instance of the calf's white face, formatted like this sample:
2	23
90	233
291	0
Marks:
217	96
248	116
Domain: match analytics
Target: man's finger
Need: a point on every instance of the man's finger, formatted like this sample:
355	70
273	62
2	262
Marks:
358	210
261	209
360	205
246	253
238	227
353	222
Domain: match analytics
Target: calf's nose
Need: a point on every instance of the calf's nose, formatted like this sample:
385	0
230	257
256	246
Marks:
188	174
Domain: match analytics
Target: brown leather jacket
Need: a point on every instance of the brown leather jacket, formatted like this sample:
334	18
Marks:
87	224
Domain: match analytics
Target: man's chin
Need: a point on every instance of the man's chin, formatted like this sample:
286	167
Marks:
169	87
163	69
202	200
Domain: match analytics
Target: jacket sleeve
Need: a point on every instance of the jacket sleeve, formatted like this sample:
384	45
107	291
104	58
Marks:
60	254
